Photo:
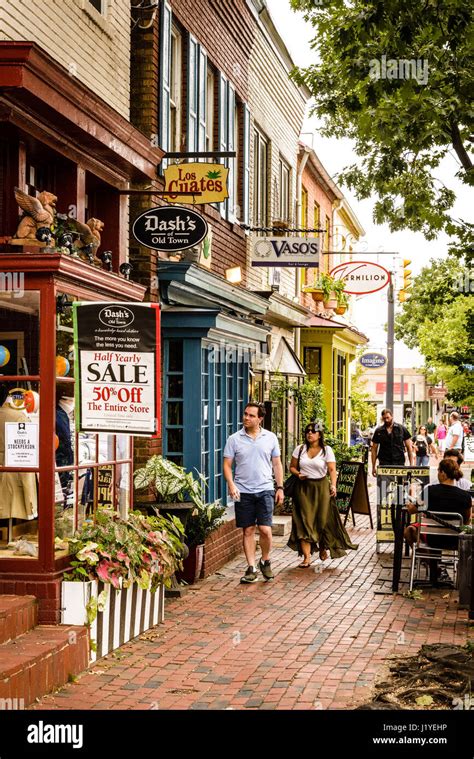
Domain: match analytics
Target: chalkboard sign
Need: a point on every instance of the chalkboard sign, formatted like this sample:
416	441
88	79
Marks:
352	494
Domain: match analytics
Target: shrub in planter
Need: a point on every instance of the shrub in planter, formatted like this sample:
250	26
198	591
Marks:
199	525
143	550
118	575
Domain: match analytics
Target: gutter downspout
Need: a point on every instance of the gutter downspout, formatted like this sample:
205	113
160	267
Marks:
299	182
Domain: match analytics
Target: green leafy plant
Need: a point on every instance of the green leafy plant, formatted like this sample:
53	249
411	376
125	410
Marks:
145	550
169	482
328	285
202	522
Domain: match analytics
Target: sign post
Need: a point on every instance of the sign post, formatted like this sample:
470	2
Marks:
395	486
118	367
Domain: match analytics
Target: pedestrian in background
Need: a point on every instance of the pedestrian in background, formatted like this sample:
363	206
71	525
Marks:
389	443
455	435
440	435
457	456
254	451
423	445
316	523
430	426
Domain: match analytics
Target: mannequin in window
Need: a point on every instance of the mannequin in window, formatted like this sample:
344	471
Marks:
18	494
64	451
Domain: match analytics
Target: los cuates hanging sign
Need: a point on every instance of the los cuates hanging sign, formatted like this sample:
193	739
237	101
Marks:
207	180
117	367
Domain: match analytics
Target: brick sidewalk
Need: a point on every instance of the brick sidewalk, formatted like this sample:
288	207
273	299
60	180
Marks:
311	639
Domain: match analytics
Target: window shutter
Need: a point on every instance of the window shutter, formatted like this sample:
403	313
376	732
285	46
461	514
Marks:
193	83
231	146
202	108
165	77
246	167
223	130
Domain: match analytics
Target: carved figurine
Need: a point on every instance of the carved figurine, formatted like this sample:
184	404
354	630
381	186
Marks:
89	239
39	212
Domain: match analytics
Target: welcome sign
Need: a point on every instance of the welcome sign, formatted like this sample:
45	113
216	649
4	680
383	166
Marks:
285	251
117	360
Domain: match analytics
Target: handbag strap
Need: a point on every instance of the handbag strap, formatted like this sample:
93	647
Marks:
299	455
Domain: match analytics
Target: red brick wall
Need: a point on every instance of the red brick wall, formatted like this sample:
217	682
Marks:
221	546
48	593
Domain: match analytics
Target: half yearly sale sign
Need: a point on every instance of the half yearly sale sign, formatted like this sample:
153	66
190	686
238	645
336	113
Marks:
117	360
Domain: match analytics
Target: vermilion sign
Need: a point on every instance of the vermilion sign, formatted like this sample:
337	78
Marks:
361	277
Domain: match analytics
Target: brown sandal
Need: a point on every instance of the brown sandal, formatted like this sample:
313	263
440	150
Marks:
303	565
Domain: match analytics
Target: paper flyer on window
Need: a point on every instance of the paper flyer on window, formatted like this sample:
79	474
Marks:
117	360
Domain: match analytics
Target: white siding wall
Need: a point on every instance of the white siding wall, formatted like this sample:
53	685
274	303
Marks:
93	48
277	108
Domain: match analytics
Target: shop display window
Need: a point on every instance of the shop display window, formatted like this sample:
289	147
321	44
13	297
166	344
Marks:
19	420
80	473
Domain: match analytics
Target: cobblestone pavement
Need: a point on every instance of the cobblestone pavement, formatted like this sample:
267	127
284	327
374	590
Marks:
310	639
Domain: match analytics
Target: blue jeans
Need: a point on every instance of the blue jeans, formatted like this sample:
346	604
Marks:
422	460
255	508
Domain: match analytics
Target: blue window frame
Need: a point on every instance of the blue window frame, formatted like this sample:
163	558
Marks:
199	416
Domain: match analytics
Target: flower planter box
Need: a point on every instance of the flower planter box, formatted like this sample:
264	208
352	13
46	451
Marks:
127	613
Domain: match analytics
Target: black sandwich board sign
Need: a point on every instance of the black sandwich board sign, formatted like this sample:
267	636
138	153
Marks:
396	485
352	494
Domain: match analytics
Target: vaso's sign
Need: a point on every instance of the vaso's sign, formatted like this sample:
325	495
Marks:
169	228
361	277
285	251
373	360
207	179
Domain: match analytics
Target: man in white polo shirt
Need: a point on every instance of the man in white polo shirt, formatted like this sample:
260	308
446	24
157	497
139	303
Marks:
254	452
455	433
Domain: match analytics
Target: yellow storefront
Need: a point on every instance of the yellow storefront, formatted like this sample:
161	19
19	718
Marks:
327	348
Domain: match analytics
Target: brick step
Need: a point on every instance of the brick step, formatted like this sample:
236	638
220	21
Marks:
40	661
18	615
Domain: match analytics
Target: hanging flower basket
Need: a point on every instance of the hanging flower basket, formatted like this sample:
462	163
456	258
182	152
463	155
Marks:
341	310
331	302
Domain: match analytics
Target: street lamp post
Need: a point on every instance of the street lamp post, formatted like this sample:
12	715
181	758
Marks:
390	344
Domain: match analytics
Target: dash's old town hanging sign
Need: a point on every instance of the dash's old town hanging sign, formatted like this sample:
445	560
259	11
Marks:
207	179
285	251
118	367
169	228
361	277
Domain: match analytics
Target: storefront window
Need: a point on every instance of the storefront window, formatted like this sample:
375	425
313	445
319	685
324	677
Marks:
19	418
174	399
312	363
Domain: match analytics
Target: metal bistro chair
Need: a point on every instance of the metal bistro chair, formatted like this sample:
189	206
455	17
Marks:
421	551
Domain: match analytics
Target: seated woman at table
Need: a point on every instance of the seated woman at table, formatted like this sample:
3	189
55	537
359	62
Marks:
443	497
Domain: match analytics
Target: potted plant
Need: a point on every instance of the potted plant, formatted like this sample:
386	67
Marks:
169	483
120	569
200	524
342	303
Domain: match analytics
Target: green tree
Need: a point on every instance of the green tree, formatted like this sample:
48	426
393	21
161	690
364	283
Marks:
438	319
362	412
396	77
439	283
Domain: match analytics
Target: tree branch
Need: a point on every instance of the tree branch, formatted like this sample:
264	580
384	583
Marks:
459	147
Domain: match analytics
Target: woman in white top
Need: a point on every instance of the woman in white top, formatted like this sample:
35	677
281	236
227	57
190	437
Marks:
316	524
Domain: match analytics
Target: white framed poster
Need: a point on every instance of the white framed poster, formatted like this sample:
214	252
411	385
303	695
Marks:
21	444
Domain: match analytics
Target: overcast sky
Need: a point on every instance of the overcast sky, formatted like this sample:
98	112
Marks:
370	310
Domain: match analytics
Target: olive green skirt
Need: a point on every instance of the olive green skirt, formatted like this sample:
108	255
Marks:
316	519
